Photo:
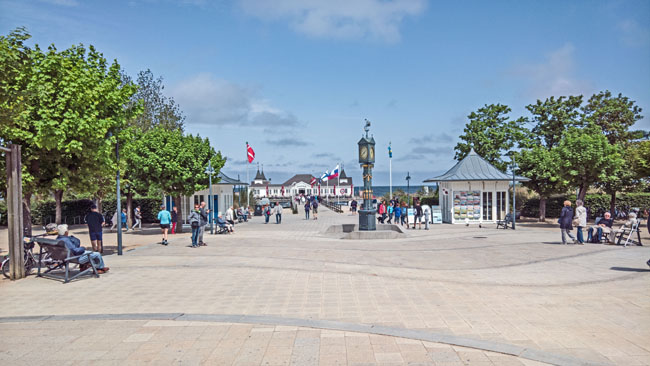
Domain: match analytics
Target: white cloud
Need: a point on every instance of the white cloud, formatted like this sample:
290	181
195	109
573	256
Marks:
342	19
554	76
62	2
209	101
633	34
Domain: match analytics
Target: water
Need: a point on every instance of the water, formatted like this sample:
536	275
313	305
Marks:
380	191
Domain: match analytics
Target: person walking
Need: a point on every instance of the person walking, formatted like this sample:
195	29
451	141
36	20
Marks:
566	218
114	221
404	214
307	207
194	218
230	217
95	220
391	211
580	220
124	219
314	208
165	219
138	218
381	210
174	219
278	213
353	206
203	212
427	216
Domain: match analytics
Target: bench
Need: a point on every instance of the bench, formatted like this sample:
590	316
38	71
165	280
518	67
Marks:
505	222
62	257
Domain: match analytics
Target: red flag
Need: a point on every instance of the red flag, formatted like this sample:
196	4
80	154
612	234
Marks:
352	189
282	190
267	191
335	189
313	181
251	153
319	189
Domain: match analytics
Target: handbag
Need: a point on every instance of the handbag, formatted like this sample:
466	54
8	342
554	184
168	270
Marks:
575	222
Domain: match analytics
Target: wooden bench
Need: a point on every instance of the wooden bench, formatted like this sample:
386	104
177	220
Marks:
62	257
505	222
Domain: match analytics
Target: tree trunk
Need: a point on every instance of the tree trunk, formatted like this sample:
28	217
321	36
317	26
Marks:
612	203
27	213
129	209
582	192
58	197
542	209
179	213
99	204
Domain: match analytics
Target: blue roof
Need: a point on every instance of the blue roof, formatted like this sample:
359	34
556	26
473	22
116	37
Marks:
227	180
473	168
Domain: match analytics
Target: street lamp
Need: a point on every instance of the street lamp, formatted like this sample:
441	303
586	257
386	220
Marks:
209	171
514	188
118	216
408	188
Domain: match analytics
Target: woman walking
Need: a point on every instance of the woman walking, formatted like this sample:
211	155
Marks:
566	217
580	220
307	207
174	219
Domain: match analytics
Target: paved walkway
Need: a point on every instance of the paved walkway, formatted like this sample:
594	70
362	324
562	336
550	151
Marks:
519	290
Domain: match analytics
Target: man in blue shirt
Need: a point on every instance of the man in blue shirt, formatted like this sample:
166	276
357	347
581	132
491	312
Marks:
165	219
74	245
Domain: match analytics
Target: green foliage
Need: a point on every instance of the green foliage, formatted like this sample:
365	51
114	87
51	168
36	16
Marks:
158	110
491	133
172	162
149	206
552	117
613	115
3	213
586	157
638	156
542	166
430	200
595	202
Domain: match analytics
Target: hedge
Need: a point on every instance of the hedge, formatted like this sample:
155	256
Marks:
74	211
596	203
3	213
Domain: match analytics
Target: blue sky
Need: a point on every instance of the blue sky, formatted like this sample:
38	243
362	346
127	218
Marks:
296	78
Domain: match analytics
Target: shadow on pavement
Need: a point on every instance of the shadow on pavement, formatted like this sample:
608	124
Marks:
627	269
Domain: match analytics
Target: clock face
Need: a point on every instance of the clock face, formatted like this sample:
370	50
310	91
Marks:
372	153
363	153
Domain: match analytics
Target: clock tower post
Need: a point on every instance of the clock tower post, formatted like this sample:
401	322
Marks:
367	220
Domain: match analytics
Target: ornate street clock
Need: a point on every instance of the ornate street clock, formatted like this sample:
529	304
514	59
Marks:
367	219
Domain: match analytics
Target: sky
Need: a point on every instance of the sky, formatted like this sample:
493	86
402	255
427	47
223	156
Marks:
297	78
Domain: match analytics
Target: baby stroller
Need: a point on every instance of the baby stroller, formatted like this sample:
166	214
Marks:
222	227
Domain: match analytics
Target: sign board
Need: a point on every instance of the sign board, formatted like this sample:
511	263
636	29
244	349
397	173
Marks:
410	215
436	215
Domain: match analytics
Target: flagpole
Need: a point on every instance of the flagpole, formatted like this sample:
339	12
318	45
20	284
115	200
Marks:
248	205
390	170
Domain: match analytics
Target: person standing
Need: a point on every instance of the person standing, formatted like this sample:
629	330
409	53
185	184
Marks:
566	218
194	218
165	219
230	217
581	220
278	213
398	213
405	214
95	220
427	216
307	207
418	214
203	212
353	206
381	210
138	218
174	219
314	208
391	212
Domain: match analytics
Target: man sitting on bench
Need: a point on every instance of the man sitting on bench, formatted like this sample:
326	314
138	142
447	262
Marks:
603	226
74	245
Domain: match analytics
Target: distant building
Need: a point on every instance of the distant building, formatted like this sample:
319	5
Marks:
301	184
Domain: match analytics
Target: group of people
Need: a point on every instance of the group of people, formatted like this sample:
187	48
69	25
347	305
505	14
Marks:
311	204
596	232
267	211
95	222
386	211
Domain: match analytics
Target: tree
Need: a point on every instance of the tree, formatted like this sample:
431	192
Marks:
173	162
553	117
542	167
613	115
586	157
157	109
491	133
539	161
71	99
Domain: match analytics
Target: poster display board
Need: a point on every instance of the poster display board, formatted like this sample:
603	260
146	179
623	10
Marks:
467	205
410	215
436	215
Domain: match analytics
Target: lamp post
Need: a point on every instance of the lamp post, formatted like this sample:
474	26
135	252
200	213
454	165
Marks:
390	170
119	204
209	171
514	188
408	189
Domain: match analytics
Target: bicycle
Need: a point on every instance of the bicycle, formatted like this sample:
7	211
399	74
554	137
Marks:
31	259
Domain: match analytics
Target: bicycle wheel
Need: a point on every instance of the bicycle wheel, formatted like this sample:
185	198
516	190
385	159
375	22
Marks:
5	268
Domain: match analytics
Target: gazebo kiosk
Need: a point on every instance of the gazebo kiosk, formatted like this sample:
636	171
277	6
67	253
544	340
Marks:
474	191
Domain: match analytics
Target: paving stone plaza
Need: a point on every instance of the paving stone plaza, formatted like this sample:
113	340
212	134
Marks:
291	295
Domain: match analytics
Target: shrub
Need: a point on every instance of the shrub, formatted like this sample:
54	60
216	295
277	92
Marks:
596	203
3	213
74	211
